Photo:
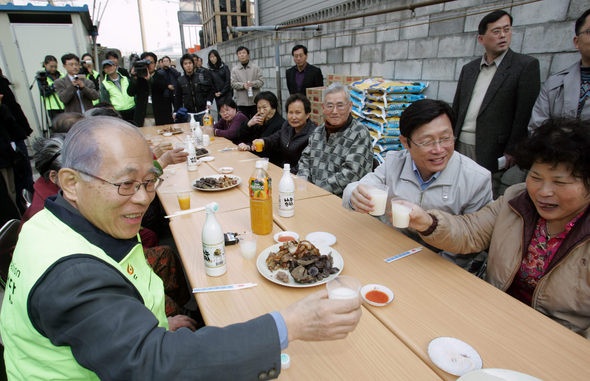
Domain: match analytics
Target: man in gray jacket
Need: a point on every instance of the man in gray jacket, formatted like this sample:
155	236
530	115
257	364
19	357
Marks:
246	80
566	93
429	172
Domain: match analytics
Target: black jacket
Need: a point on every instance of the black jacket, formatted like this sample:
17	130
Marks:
247	134
222	83
22	130
193	92
285	146
162	96
312	78
140	88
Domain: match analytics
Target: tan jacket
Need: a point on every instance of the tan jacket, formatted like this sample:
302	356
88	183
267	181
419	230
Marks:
239	77
563	293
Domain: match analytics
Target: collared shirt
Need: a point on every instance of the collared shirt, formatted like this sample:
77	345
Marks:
424	184
497	61
116	81
299	75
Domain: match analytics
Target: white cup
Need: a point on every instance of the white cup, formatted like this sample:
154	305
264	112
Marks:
378	195
247	245
400	214
343	287
206	140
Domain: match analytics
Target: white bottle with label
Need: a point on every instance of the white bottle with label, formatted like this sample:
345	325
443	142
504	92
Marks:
192	162
213	243
286	193
196	130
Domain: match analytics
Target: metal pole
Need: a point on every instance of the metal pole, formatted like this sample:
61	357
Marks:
278	71
139	8
181	26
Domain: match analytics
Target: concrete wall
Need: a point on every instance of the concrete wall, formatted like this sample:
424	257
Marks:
430	45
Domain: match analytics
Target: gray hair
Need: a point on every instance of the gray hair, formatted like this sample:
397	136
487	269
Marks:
102	111
47	154
81	150
336	87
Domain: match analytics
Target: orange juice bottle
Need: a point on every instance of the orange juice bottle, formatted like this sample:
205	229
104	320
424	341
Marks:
207	119
260	187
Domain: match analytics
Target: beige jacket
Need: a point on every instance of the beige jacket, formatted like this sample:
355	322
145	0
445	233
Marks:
506	227
239	77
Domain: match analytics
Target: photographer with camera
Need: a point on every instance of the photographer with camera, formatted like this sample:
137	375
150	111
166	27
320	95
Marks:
87	69
75	91
164	83
45	79
114	91
195	90
140	85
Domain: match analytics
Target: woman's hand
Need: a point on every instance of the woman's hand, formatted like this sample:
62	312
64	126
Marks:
243	147
256	119
162	148
175	156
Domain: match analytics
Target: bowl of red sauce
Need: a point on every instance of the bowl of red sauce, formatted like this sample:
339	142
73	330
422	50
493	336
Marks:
285	236
377	295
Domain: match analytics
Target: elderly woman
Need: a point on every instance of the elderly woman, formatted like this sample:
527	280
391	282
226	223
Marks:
538	233
265	123
286	145
228	126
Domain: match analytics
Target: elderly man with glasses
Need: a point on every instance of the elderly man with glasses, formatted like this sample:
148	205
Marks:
82	303
428	172
339	151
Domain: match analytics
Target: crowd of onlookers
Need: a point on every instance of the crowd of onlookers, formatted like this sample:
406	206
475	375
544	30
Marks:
498	183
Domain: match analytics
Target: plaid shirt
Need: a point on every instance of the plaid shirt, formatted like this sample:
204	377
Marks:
341	158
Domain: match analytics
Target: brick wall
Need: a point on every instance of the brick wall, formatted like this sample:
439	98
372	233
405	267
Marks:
431	44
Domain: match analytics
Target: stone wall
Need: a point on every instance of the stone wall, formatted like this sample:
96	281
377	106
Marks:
431	44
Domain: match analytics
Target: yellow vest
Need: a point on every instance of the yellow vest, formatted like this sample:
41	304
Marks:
120	100
52	102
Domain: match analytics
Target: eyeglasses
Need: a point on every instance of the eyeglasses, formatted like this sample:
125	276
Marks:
338	106
130	187
444	142
586	32
498	31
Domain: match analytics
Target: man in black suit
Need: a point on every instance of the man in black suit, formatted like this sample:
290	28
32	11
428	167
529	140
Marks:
302	75
494	98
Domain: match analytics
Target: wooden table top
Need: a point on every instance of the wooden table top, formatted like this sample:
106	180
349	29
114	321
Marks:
434	298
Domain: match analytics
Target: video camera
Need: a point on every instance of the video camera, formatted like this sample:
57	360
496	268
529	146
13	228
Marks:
41	75
141	68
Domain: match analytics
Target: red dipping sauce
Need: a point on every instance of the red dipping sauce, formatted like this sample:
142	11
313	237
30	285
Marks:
285	238
377	296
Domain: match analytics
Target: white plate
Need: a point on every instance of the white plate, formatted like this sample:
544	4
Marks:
378	287
453	355
207	158
495	374
270	275
320	239
217	189
279	234
225	170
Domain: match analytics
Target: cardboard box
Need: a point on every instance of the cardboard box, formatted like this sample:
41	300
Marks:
315	94
345	79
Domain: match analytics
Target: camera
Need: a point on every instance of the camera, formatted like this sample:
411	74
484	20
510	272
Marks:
41	75
86	62
140	67
76	76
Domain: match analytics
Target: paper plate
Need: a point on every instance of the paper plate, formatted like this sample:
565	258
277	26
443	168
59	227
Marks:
454	356
496	374
321	238
207	158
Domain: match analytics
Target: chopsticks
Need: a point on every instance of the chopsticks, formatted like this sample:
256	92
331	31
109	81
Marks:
229	287
183	212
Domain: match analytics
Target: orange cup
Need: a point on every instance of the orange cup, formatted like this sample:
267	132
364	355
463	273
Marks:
184	200
259	145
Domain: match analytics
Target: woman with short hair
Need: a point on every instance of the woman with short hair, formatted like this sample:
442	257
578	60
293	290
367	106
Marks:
266	122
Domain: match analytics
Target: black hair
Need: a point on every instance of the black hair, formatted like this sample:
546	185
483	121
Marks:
218	63
229	103
89	55
423	112
242	48
297	47
491	18
49	58
298	97
145	54
47	152
559	140
268	96
111	53
104	105
69	56
102	111
161	59
186	56
62	122
581	21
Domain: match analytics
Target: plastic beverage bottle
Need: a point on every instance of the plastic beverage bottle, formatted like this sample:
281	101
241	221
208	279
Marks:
191	160
260	189
196	131
250	91
207	119
286	193
213	243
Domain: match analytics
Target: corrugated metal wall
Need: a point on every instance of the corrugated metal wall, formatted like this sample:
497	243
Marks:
273	12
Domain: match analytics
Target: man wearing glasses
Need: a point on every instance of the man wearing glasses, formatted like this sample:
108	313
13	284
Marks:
567	93
494	98
74	90
428	172
81	301
339	151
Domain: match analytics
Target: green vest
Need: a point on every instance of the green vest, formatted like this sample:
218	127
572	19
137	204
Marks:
28	354
95	74
120	100
52	102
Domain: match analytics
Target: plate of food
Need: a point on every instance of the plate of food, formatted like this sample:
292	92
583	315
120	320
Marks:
201	152
299	264
170	130
216	183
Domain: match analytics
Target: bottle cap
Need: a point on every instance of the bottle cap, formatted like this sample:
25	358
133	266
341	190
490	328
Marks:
287	167
285	361
212	207
259	164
